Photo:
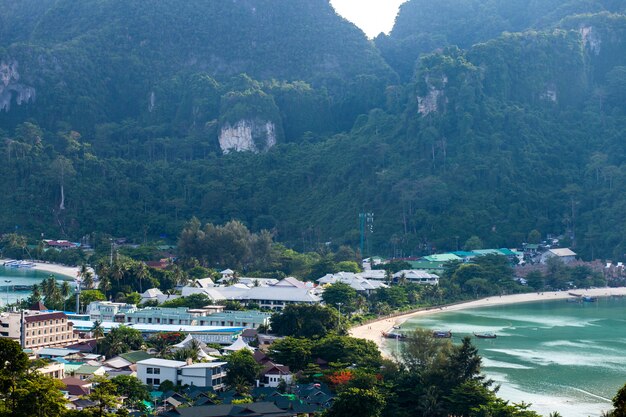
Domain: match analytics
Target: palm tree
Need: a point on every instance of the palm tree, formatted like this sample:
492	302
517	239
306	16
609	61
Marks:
141	272
35	296
97	331
88	280
66	291
388	276
105	284
118	272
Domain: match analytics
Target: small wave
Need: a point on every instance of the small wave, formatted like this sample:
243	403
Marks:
490	363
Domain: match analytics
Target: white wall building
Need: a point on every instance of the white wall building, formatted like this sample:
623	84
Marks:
417	277
566	255
107	310
206	374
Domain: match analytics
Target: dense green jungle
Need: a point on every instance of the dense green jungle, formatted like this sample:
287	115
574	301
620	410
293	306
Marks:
491	118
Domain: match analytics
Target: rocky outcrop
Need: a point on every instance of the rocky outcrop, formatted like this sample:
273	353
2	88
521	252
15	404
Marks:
430	102
11	88
591	40
247	135
550	93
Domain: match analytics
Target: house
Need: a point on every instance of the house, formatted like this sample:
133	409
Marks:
206	374
76	387
565	255
272	374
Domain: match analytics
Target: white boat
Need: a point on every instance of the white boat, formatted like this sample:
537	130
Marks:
21	264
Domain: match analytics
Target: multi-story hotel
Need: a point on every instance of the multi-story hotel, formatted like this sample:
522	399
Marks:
37	329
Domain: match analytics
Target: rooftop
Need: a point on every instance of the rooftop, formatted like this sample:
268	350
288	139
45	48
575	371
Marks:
166	363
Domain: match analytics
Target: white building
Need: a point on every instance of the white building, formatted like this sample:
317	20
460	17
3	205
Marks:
566	255
417	277
276	297
355	281
108	310
206	374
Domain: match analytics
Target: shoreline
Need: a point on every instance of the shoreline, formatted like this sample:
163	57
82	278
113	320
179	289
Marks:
373	330
70	272
66	272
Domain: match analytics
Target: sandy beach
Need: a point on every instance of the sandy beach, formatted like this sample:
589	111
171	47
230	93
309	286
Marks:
373	331
66	271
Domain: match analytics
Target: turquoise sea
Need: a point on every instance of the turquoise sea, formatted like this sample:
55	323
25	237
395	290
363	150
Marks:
559	356
21	277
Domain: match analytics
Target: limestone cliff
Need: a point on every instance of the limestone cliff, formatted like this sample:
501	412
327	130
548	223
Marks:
11	88
430	102
248	135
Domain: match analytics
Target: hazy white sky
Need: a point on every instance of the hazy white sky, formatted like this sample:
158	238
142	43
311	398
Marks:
372	16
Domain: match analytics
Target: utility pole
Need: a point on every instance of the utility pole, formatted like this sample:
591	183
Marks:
339	318
77	295
111	260
7	281
366	223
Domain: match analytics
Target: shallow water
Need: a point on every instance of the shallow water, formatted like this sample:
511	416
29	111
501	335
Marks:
22	276
559	356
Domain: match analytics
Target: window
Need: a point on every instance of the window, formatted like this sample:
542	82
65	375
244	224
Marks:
157	381
149	381
150	370
157	371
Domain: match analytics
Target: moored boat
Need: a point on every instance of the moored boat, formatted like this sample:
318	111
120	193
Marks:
393	335
485	335
590	299
442	334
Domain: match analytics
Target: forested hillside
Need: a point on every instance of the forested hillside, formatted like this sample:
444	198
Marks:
471	118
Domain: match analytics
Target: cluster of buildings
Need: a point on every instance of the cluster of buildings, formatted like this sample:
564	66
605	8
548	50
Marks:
530	254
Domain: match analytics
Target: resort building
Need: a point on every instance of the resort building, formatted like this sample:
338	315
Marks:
206	374
250	319
416	277
355	281
37	329
109	311
275	297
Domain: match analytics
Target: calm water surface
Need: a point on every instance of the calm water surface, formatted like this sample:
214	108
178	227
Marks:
560	356
22	276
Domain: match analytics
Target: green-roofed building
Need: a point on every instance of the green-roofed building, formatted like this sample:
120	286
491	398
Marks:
487	252
134	357
510	252
432	267
442	257
87	371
